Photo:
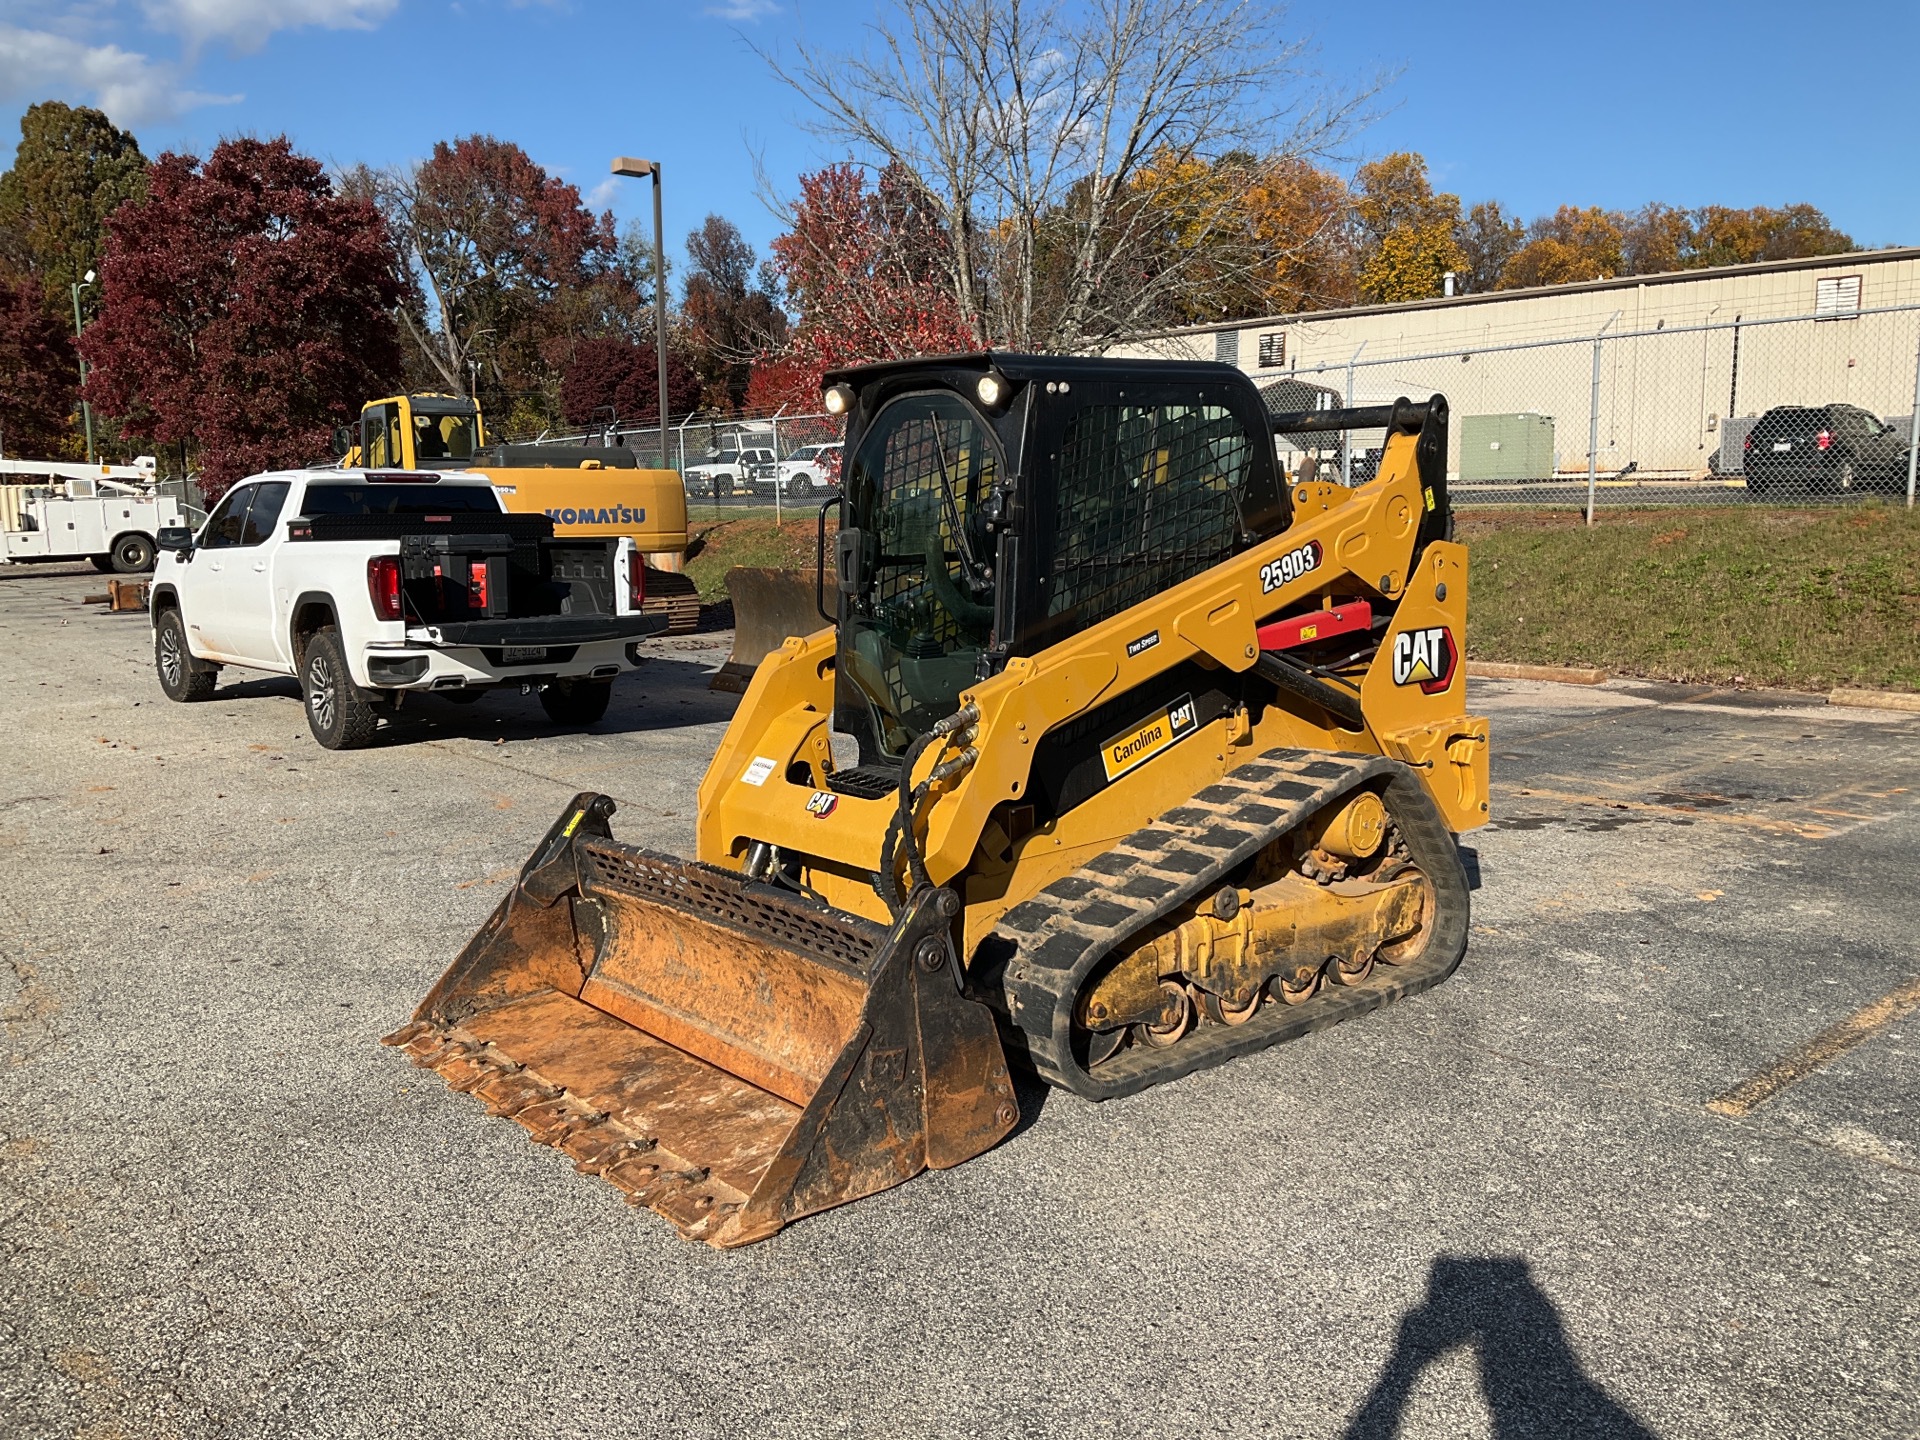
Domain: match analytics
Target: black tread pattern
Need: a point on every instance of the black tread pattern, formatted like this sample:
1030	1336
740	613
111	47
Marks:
1060	934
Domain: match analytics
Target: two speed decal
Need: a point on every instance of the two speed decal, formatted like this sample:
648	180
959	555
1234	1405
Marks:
1290	567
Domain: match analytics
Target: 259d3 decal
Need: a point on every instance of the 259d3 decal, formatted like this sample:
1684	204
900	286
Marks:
1290	567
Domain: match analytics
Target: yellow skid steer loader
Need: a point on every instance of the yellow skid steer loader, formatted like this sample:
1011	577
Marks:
1115	755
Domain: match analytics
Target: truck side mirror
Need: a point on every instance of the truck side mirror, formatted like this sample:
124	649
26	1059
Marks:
176	538
342	440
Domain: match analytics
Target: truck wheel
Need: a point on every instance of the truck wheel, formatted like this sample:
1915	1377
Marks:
339	712
182	677
800	487
102	563
132	554
576	702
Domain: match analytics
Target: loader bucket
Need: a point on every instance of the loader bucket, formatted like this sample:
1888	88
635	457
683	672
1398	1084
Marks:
768	606
726	1053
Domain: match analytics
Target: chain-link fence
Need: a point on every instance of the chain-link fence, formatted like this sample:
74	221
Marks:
1794	410
695	439
781	460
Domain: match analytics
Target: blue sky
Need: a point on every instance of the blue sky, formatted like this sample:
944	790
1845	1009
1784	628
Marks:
1534	105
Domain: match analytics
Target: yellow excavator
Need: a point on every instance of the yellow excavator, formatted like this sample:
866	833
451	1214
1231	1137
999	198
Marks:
588	491
1116	755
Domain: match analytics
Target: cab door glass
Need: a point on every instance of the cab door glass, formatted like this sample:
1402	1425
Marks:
228	522
269	498
380	437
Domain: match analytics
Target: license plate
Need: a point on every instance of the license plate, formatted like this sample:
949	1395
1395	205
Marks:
1781	446
523	654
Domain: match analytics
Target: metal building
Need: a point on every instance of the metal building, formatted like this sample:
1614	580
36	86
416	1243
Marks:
1647	369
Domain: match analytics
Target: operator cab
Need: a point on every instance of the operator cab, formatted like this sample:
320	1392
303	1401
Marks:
995	504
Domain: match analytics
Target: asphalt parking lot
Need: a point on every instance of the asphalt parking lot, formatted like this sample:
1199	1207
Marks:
1503	1208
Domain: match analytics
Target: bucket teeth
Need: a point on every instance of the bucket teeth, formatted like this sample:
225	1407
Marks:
597	1151
597	1142
507	1094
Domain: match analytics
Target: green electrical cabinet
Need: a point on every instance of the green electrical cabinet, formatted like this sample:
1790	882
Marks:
1506	447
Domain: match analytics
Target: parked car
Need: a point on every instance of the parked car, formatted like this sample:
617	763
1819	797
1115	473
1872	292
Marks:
1813	452
723	472
806	471
372	585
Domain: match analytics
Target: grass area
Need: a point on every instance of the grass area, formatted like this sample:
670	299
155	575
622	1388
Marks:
1755	595
749	537
1804	599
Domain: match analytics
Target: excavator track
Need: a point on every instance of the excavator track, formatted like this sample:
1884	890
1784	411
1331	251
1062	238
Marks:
673	595
1059	937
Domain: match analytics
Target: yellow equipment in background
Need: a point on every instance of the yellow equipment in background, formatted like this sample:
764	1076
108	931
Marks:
588	491
1161	758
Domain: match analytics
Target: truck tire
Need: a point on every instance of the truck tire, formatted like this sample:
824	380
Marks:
340	714
102	563
132	554
800	487
576	702
182	677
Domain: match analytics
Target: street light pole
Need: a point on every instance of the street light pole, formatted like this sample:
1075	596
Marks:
86	410
627	165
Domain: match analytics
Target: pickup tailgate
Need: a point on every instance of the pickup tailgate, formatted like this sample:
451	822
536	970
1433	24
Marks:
496	579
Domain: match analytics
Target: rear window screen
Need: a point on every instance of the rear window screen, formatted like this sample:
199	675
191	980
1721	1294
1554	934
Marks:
400	500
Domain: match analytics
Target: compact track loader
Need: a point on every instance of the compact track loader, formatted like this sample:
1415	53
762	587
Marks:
1116	755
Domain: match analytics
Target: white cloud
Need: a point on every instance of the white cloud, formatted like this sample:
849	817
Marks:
601	196
132	88
246	24
744	9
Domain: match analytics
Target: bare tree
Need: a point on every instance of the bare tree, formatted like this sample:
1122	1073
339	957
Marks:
1072	151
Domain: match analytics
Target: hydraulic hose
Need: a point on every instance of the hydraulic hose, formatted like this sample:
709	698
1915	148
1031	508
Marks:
911	796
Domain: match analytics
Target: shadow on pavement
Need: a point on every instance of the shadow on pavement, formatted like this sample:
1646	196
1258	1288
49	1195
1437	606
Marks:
661	695
1532	1381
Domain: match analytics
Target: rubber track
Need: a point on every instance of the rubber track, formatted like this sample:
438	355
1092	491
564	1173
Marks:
1065	930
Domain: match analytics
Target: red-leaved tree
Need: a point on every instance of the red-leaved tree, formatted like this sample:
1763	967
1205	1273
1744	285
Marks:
510	265
39	374
245	307
862	269
609	373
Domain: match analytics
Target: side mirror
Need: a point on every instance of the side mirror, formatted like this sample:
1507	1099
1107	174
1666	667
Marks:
342	440
176	538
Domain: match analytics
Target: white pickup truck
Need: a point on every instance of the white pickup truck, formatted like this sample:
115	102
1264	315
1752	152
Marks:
369	585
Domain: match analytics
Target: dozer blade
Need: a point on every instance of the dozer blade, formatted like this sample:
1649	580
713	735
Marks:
768	606
727	1054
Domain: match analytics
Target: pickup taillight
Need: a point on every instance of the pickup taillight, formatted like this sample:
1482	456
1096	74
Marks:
383	586
477	584
1824	439
636	582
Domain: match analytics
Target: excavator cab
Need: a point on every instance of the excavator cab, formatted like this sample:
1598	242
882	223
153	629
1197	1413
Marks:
1121	756
413	432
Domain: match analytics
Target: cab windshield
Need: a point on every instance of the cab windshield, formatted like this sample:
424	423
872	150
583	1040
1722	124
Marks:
443	437
921	622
